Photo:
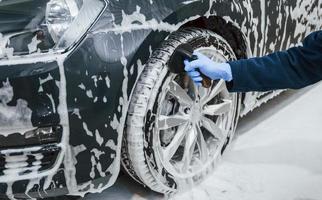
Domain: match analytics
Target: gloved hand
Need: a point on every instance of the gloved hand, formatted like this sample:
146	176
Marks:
208	67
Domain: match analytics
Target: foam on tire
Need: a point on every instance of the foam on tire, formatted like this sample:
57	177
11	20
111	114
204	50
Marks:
137	158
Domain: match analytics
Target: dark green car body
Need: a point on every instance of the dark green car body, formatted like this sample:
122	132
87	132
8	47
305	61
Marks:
92	81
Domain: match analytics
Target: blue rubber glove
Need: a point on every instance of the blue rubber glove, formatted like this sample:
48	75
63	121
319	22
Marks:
208	67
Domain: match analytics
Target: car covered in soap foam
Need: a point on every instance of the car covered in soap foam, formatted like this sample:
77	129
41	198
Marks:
85	88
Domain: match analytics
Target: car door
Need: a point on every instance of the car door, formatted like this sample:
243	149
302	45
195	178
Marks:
279	25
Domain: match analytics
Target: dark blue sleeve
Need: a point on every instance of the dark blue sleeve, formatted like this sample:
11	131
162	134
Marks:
294	68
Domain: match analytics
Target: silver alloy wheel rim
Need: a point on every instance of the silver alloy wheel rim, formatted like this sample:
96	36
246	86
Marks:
193	124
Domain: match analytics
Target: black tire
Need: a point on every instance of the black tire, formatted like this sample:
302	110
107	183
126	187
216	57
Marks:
139	156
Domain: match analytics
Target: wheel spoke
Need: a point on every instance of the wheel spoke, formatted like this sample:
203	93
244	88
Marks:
202	145
218	109
171	149
166	122
179	93
212	128
220	86
189	148
202	92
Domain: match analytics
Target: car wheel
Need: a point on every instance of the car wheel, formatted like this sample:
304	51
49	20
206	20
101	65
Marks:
176	131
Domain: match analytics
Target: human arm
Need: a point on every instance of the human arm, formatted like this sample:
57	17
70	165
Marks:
294	68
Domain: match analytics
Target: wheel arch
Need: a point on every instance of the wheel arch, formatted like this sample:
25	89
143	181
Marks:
225	28
226	18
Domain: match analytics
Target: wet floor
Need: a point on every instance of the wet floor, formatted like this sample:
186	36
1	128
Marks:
277	156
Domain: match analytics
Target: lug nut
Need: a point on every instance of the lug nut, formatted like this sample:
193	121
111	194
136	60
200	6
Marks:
186	110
